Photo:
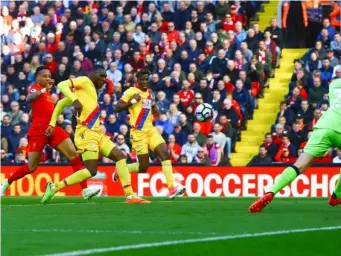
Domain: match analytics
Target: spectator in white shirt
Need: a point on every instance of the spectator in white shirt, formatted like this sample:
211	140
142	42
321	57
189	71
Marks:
138	35
114	74
120	143
190	149
174	114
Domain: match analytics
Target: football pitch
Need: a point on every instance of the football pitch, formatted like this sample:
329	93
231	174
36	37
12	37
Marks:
185	226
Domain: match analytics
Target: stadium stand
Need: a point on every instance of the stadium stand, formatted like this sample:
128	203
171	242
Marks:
203	51
306	93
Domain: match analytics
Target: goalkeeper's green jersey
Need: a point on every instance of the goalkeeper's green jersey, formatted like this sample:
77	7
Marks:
332	118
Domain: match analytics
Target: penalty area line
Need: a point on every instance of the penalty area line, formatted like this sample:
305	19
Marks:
188	241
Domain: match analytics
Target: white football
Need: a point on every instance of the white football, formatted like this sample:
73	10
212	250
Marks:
204	112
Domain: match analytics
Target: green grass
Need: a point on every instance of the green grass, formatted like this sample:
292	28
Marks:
29	228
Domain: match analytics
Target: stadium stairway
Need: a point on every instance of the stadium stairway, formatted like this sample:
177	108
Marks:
268	108
269	12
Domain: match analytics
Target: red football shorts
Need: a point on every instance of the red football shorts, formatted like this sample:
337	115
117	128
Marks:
36	143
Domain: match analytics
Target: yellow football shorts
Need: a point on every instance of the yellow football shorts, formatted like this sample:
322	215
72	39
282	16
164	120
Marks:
142	141
93	141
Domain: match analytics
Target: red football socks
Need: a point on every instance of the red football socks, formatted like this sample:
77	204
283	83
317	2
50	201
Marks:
21	172
77	165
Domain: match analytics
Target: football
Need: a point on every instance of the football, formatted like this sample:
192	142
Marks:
204	112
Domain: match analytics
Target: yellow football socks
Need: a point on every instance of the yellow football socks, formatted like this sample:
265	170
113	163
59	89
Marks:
168	172
74	178
133	167
123	173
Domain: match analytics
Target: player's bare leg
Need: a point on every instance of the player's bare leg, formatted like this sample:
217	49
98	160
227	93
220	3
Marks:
22	171
174	189
288	175
67	148
124	175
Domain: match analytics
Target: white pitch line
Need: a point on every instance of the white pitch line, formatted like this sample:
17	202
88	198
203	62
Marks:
115	231
187	241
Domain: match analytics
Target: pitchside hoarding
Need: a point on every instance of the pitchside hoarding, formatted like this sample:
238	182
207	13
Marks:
199	181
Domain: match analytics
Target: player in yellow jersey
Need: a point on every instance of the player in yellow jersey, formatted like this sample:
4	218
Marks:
140	102
81	93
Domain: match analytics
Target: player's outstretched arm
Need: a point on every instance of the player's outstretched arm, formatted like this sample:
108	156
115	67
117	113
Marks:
64	87
122	104
58	110
32	96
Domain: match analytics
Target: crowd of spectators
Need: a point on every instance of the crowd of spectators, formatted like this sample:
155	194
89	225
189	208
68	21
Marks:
203	51
306	101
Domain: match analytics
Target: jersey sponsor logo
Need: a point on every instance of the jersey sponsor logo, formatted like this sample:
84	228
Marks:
146	103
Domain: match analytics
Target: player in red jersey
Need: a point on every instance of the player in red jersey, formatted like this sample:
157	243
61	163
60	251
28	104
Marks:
42	108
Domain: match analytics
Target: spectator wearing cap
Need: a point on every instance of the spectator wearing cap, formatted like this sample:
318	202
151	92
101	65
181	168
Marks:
261	159
174	149
316	93
191	148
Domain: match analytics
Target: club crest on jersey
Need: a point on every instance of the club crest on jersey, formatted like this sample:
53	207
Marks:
33	90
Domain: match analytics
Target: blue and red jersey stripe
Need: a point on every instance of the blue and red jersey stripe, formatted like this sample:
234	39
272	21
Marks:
92	118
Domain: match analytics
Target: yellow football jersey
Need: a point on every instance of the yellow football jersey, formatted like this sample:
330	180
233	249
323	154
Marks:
141	117
86	93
